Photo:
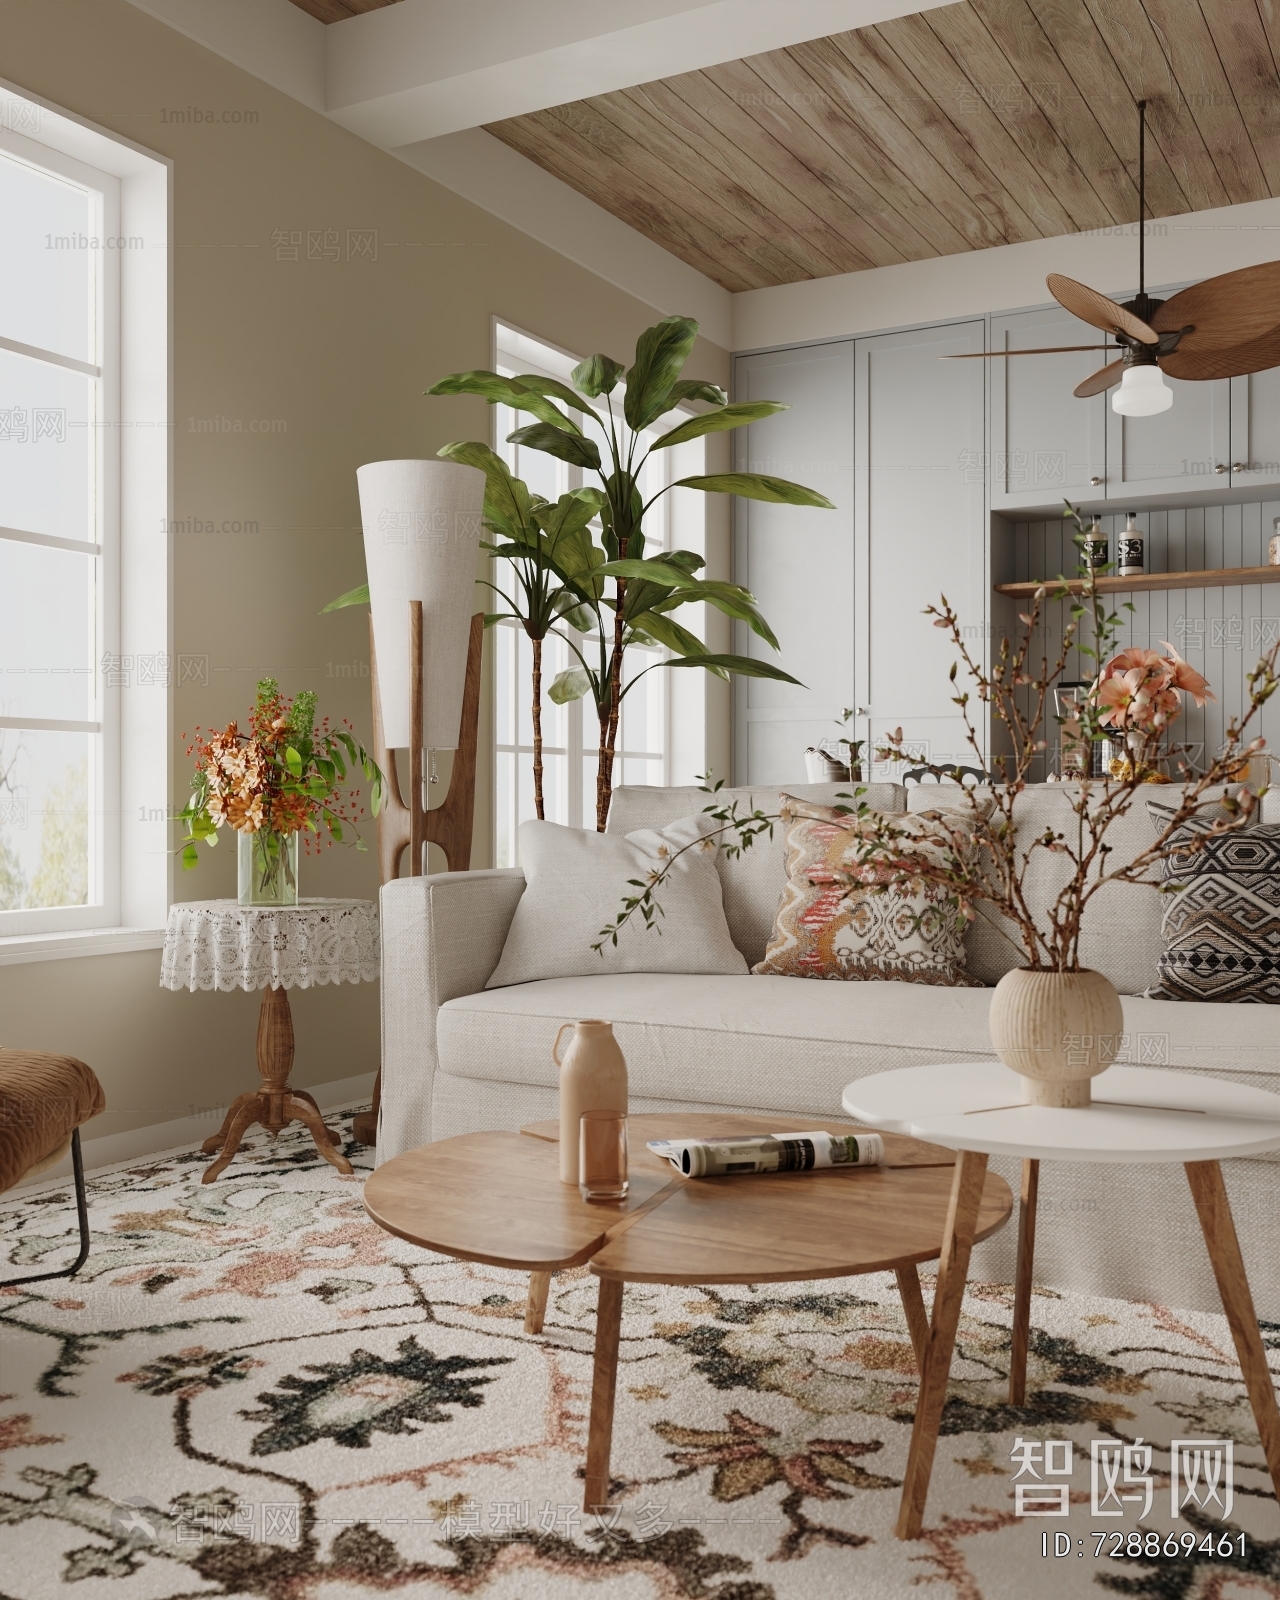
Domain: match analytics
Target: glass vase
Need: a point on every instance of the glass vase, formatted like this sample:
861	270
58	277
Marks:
267	868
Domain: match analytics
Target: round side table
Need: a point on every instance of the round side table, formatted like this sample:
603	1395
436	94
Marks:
1138	1115
220	944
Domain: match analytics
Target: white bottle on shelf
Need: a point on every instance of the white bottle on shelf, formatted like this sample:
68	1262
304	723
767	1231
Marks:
1130	549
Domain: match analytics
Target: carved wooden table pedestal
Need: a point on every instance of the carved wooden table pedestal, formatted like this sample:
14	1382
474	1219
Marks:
275	1105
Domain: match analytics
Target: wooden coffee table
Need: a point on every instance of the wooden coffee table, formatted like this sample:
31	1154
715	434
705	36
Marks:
497	1197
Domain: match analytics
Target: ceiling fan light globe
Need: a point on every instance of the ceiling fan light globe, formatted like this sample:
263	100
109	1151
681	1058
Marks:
1142	393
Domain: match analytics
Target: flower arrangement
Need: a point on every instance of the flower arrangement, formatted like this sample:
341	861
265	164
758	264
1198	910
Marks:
282	779
1142	690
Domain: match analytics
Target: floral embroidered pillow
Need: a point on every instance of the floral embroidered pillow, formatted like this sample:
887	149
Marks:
841	917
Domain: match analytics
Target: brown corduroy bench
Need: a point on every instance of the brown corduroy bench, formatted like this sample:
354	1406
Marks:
43	1101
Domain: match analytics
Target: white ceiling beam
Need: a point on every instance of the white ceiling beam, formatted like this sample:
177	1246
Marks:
424	68
272	39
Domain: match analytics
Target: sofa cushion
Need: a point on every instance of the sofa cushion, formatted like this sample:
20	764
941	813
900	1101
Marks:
42	1099
783	1043
764	1041
753	881
576	884
1222	917
848	915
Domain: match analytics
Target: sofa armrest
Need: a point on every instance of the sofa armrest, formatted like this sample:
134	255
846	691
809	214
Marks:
442	936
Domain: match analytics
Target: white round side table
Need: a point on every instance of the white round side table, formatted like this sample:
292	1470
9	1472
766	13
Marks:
220	944
1138	1115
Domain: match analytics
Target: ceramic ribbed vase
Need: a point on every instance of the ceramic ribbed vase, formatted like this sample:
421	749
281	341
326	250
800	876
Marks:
1057	1031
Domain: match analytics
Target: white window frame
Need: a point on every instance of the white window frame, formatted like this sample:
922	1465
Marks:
678	519
102	907
131	881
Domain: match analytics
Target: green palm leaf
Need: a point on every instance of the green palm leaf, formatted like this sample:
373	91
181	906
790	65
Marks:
734	416
756	486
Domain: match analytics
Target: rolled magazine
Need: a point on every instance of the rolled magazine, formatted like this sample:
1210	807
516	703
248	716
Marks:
770	1152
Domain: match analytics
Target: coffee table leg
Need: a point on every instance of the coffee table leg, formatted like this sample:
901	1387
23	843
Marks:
604	1382
953	1268
535	1307
1022	1283
1210	1195
913	1308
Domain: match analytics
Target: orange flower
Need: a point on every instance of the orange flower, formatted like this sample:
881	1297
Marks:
244	815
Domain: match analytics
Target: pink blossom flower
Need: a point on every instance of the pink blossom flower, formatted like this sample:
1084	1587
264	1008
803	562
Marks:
1186	677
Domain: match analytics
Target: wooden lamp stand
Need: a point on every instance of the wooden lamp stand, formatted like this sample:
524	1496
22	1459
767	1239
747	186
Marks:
410	824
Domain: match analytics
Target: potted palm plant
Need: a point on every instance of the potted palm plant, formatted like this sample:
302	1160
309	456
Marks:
612	594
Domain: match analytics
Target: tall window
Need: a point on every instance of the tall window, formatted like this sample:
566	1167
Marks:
59	234
570	733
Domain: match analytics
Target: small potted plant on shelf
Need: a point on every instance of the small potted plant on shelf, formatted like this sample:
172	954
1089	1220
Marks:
282	779
1054	1022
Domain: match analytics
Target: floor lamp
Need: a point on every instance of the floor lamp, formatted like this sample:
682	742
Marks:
422	535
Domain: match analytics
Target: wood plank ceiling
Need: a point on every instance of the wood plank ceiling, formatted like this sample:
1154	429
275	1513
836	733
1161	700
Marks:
983	123
340	10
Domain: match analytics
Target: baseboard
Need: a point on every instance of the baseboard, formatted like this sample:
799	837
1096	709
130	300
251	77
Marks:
111	1148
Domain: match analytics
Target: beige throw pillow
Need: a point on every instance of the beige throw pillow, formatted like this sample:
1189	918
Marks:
839	918
575	883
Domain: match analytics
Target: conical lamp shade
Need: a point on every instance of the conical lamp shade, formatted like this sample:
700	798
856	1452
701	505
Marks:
421	540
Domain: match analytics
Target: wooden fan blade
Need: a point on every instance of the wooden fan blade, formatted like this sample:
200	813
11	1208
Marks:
1226	311
1095	308
1254	356
1102	379
1044	350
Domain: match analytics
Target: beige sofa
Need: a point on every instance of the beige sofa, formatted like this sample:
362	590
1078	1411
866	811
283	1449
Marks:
457	1057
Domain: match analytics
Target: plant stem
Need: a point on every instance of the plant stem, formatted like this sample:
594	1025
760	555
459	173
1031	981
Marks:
537	730
604	786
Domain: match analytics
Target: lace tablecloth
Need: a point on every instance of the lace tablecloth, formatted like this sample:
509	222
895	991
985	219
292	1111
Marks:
220	944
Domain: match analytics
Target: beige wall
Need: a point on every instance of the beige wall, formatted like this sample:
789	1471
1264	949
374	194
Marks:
336	355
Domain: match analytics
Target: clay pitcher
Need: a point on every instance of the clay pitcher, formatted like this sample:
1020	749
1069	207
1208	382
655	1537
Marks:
593	1077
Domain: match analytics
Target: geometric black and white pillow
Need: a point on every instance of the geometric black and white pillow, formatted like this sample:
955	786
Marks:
1222	923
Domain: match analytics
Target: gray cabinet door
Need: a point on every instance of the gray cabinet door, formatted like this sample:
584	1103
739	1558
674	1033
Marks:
921	528
1186	447
796	560
1045	444
1255	430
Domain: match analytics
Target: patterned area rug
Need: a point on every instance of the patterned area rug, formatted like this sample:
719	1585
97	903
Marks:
252	1391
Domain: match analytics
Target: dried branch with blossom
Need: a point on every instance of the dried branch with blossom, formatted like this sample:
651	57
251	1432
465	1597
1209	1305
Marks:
1135	693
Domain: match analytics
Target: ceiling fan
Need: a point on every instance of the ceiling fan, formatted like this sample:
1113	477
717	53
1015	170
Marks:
1220	328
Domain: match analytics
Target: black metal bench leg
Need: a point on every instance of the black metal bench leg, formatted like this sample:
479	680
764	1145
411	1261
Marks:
82	1211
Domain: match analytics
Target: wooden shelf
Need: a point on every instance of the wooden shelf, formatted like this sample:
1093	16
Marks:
1213	578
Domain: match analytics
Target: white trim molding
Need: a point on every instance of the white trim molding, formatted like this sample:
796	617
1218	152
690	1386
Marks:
1197	244
139	506
77	942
